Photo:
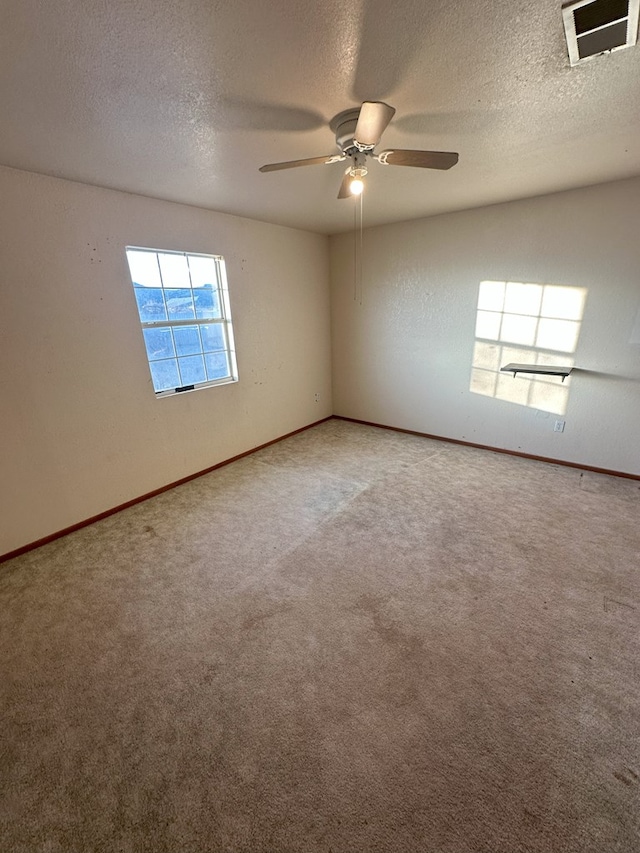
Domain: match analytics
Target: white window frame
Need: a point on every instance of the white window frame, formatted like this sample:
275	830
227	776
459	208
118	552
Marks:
224	320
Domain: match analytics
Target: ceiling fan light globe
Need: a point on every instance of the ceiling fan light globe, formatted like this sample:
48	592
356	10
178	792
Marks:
356	186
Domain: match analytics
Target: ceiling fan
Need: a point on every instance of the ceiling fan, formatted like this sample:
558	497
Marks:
358	131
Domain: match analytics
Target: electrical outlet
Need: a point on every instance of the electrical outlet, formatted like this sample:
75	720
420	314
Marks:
558	426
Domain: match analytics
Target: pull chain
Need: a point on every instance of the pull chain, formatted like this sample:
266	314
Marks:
358	241
355	250
361	247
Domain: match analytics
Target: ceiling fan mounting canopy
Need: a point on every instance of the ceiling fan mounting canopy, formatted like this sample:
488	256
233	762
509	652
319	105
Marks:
358	131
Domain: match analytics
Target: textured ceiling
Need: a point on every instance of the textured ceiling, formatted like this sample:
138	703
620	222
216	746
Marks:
184	101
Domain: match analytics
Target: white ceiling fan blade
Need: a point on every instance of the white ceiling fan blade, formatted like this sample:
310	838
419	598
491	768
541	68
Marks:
311	161
419	159
345	191
372	121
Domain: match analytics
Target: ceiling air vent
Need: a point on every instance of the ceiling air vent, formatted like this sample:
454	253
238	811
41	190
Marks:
599	26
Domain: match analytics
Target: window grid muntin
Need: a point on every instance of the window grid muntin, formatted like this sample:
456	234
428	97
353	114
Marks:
224	321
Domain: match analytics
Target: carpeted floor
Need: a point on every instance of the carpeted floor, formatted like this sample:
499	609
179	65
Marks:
354	640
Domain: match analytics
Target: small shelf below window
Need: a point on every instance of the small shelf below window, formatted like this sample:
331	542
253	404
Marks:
546	369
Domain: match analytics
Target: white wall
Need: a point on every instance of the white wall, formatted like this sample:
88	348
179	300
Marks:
82	430
402	352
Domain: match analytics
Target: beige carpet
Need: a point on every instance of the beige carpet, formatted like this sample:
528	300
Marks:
354	640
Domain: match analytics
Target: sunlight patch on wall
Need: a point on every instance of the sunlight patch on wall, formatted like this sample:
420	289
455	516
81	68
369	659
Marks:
528	323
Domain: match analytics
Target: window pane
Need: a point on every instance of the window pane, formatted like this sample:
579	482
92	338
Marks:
212	337
144	268
187	340
150	304
159	343
192	370
207	303
217	365
204	272
165	374
175	270
179	304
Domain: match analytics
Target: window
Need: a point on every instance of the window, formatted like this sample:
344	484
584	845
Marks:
183	303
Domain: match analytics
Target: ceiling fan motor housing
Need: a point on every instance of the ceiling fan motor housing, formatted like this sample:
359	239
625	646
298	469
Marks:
344	127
